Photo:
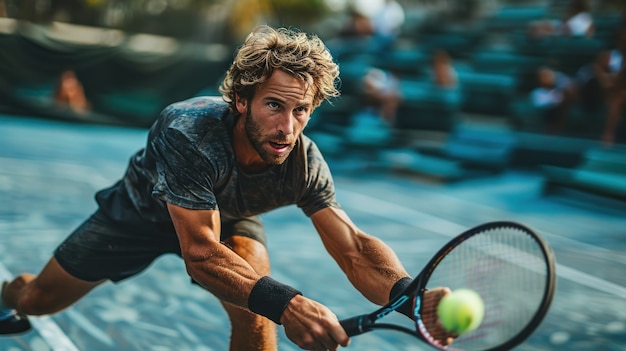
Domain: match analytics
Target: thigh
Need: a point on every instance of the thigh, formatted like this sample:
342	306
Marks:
246	237
250	227
251	250
101	248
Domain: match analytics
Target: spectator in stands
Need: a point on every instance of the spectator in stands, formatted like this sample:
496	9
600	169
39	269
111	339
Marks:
70	93
381	92
443	74
552	97
358	25
444	77
596	79
353	38
387	23
578	22
372	123
615	103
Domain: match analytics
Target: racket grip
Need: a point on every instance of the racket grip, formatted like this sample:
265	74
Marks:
356	325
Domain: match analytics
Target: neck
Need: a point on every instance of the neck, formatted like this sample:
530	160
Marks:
248	159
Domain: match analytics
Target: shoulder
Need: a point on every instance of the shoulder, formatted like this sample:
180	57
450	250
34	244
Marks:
311	151
306	160
207	107
194	117
314	161
200	123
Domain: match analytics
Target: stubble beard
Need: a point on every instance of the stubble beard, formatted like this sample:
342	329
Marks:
253	132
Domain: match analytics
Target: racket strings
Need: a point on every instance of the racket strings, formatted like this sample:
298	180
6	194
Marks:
507	268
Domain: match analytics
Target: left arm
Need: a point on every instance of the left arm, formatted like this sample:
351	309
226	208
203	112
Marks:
371	266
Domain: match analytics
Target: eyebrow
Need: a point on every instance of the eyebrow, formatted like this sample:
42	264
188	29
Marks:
278	98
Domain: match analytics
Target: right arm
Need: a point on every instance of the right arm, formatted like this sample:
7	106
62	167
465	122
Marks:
210	263
230	278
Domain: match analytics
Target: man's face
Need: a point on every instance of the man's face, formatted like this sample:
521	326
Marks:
276	116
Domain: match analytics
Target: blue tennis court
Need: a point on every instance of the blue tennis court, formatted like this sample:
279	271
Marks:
50	170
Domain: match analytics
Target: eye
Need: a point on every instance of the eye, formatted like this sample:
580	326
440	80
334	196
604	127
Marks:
301	110
273	105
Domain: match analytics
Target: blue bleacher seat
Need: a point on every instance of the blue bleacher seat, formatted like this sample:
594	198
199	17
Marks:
487	93
427	107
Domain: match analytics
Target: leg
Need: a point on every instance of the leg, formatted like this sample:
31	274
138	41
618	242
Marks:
49	292
564	109
250	331
615	110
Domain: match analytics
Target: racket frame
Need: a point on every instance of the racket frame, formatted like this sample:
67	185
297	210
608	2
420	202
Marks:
367	322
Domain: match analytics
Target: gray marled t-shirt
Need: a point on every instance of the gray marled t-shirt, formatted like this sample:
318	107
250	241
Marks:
189	161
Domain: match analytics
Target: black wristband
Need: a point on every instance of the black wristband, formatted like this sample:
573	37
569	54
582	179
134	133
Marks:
407	307
269	298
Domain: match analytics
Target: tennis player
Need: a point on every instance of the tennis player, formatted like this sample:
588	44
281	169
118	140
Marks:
210	167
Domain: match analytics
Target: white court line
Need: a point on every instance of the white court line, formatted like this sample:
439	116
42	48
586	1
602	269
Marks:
45	326
437	225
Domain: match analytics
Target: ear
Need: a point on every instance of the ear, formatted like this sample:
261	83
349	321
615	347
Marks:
241	103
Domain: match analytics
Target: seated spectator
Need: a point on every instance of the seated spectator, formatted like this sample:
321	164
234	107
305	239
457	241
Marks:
552	97
373	122
70	93
615	103
443	74
596	79
578	22
387	23
353	38
381	92
358	26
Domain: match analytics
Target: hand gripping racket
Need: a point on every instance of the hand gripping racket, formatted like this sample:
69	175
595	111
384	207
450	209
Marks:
509	265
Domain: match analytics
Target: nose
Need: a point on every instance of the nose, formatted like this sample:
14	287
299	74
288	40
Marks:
286	123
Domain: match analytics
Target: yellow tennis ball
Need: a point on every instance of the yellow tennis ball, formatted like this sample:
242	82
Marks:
461	311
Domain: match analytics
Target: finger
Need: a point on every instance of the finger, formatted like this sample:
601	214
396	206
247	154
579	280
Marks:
431	319
329	343
339	336
322	347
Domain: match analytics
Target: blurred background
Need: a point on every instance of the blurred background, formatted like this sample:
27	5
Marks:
453	113
485	83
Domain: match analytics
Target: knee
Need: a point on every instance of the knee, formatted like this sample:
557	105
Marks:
32	300
14	293
251	250
31	304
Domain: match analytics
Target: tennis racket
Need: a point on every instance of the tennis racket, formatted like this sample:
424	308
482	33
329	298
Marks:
509	265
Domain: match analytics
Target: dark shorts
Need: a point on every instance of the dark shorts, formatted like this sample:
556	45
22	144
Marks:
101	248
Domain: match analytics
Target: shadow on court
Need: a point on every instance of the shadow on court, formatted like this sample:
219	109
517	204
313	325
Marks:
49	172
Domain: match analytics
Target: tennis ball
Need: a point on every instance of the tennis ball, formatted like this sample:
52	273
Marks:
461	311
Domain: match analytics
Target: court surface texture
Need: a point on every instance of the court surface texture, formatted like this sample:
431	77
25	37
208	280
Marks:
50	170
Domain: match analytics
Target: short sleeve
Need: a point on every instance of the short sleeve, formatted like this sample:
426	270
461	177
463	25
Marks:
185	177
319	192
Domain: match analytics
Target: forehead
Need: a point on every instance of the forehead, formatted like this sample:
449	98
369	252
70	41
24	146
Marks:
284	86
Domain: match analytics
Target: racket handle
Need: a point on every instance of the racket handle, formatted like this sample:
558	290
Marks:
356	325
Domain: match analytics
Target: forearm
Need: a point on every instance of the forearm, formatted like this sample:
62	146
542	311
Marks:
222	272
233	280
370	264
235	272
374	270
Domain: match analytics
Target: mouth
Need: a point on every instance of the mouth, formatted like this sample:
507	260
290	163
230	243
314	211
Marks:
279	147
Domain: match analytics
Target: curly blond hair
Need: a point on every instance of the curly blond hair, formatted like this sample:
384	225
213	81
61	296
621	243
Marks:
267	49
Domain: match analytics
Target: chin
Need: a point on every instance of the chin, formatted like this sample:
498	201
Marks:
276	160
